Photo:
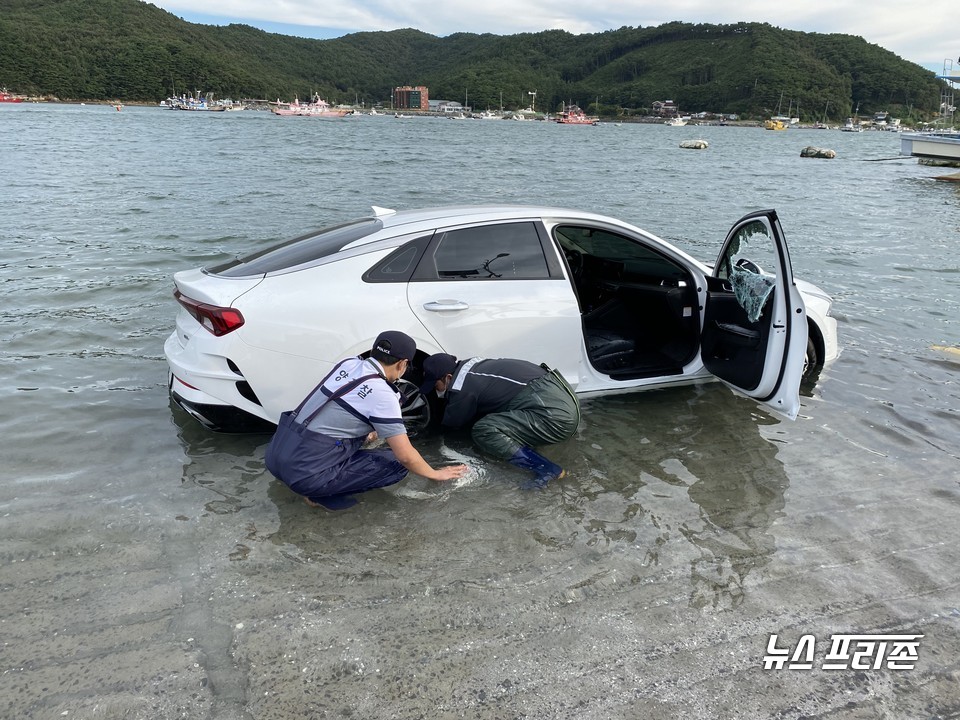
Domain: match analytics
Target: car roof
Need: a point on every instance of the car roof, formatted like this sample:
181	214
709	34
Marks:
383	226
473	213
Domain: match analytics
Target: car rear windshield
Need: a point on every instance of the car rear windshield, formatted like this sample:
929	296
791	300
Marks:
300	250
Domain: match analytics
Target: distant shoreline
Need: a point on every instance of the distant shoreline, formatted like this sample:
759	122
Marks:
56	101
631	119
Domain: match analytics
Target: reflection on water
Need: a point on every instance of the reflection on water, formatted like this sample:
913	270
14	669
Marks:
657	481
696	481
227	467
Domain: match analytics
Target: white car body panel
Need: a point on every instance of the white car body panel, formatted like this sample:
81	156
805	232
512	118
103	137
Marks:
818	305
299	321
535	320
305	348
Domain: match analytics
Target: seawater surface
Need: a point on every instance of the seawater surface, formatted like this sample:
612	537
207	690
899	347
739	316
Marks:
153	569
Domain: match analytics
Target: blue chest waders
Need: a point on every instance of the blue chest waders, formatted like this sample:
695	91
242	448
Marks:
323	469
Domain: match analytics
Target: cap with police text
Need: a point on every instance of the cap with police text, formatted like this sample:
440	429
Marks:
435	368
395	344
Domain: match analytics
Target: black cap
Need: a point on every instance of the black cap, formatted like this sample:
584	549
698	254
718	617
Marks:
435	368
395	344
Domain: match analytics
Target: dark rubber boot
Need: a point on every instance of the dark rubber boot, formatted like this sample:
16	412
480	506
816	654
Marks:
544	470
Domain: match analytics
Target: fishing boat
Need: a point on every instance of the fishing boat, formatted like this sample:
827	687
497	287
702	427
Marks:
8	98
940	144
937	147
822	124
195	103
316	108
573	115
782	122
850	126
675	122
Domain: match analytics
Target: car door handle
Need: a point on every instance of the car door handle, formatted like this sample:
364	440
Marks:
443	305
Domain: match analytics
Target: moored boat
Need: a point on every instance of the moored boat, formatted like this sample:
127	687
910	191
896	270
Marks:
8	98
941	144
316	108
932	148
573	115
195	103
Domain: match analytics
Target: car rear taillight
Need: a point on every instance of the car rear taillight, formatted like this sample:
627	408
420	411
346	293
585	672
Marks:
218	320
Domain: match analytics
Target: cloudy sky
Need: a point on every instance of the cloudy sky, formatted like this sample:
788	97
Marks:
923	32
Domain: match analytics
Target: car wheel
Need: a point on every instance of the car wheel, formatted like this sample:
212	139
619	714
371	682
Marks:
811	361
414	406
812	364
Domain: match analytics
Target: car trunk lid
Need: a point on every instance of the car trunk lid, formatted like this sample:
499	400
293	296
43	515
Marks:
220	291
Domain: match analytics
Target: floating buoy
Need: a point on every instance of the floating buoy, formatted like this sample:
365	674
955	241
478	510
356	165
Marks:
815	152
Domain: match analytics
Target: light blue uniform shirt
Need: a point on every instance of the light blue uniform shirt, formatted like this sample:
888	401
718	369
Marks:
373	404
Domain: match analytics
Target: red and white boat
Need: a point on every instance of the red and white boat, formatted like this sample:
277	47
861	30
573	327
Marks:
317	108
573	115
7	97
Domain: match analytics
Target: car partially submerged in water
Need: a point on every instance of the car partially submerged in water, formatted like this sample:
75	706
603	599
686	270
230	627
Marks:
613	307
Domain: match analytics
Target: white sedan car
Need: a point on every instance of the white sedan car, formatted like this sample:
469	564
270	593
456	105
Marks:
611	306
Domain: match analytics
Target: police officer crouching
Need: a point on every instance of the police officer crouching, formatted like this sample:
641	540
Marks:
518	404
316	450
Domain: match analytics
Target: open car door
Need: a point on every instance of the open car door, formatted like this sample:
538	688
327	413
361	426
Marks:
755	324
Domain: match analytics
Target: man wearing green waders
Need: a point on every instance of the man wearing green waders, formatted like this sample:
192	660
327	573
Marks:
516	405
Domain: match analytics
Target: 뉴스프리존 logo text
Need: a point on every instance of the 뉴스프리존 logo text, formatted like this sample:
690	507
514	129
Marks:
847	652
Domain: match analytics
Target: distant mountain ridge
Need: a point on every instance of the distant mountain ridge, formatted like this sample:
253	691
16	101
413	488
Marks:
133	51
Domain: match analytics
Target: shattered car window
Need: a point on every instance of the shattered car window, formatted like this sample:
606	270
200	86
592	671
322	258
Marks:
749	265
751	291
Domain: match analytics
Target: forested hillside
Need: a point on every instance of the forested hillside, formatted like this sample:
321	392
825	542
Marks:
133	51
